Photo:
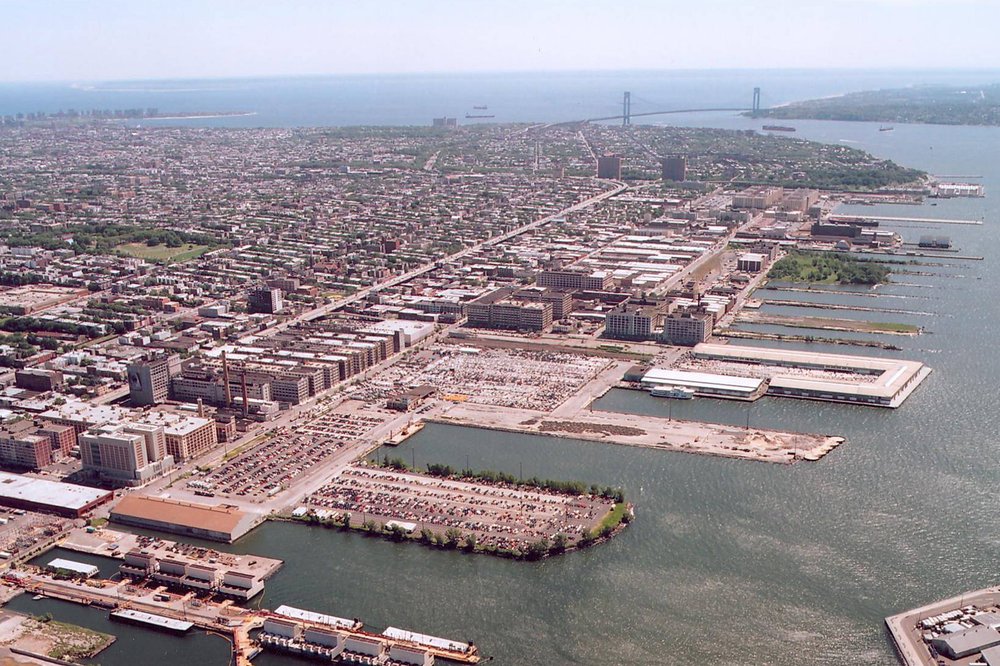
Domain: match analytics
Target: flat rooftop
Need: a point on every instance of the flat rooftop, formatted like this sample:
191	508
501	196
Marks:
76	567
49	493
424	639
893	375
186	515
701	380
153	620
315	618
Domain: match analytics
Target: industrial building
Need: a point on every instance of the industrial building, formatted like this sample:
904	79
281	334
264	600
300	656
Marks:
935	242
23	444
561	300
82	416
176	572
149	381
499	309
216	523
686	328
609	166
882	382
674	168
63	499
73	568
186	436
631	322
758	197
967	642
576	279
38	379
265	301
751	262
702	382
129	454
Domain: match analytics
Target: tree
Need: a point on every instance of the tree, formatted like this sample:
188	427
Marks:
537	549
451	536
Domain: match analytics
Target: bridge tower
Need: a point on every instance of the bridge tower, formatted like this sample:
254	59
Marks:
627	110
756	102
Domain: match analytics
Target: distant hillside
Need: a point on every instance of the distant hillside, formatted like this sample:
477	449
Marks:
940	105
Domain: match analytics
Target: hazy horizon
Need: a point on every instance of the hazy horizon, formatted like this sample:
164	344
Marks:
987	71
65	40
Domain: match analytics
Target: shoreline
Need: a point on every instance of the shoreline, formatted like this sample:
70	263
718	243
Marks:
235	114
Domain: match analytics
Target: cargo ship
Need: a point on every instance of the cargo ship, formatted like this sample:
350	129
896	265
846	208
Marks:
472	115
778	128
480	108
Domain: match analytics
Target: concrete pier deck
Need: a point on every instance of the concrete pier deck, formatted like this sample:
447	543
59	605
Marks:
114	544
650	432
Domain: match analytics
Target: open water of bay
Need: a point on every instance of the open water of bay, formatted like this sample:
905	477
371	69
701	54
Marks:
727	562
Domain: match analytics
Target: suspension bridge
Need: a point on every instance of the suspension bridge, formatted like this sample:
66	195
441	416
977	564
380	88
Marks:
627	114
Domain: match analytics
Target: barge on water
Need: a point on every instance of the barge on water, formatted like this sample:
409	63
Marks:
300	635
152	621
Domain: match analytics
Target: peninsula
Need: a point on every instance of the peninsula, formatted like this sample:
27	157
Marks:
938	105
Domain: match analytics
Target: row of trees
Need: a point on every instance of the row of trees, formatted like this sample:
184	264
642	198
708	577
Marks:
493	476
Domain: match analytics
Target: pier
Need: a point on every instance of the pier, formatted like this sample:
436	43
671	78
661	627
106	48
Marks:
907	632
310	633
928	220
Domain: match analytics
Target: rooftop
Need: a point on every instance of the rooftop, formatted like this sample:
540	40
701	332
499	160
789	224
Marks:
51	493
220	519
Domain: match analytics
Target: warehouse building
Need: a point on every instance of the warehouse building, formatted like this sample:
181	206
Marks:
63	499
863	380
631	322
686	328
966	643
702	382
216	523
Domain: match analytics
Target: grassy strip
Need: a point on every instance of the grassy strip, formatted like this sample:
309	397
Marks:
615	517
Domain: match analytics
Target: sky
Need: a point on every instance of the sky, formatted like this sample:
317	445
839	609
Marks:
105	40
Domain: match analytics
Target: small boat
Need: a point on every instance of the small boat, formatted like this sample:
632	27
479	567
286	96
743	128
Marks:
885	128
38	596
674	392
